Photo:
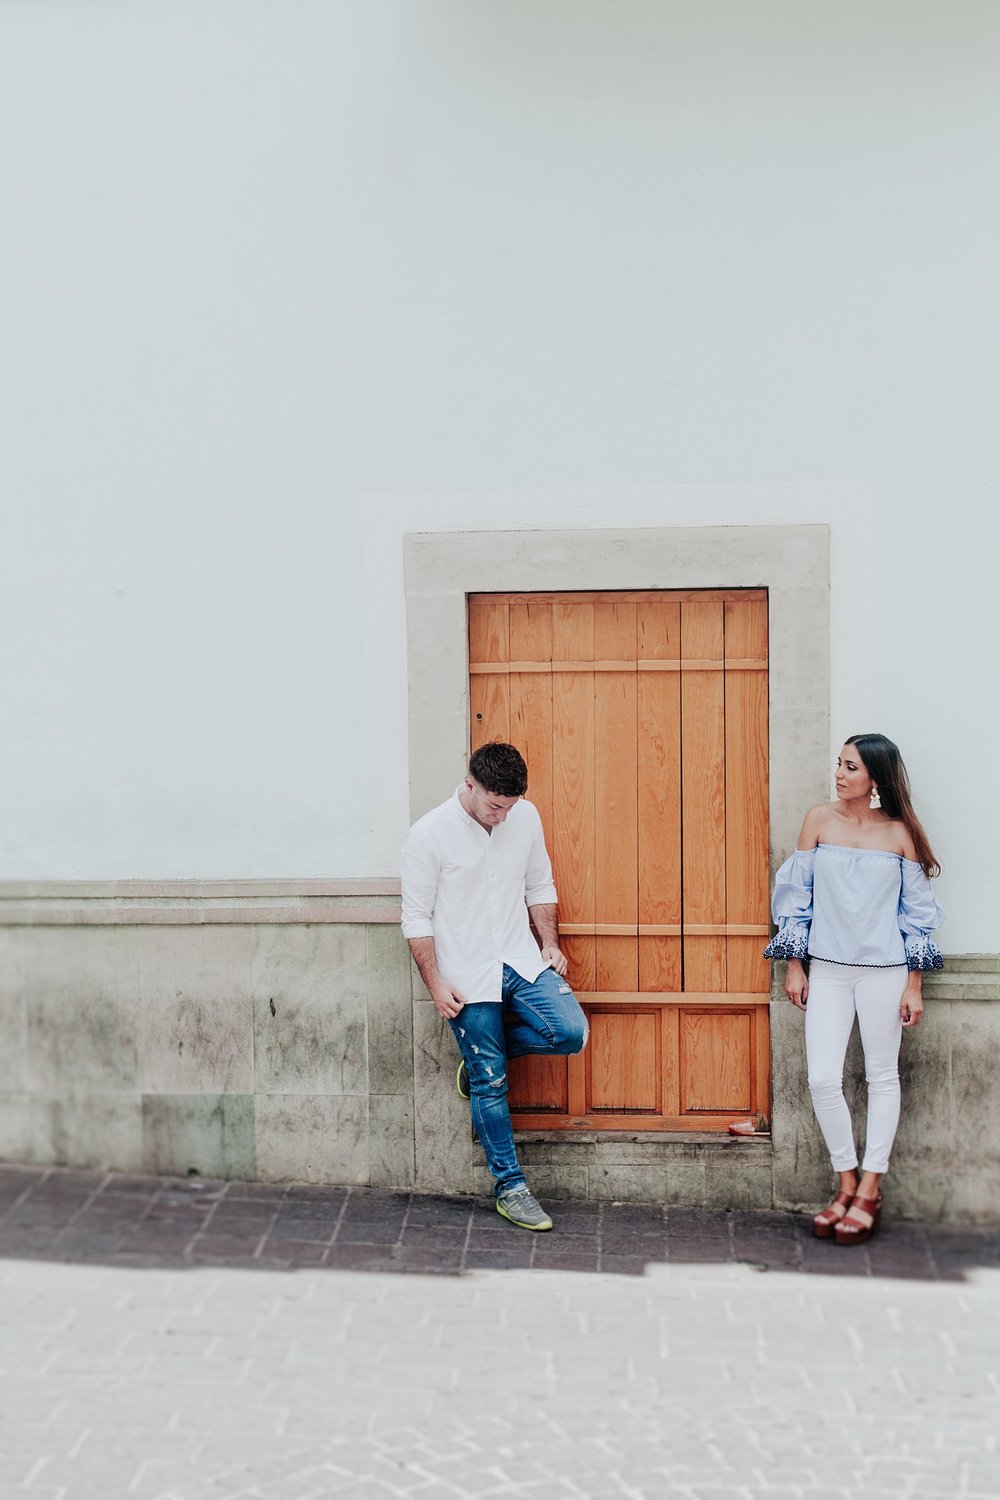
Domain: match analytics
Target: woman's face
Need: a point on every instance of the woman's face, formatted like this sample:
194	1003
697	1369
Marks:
852	779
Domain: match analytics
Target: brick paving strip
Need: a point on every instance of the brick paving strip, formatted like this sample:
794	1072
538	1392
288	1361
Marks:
181	1339
122	1219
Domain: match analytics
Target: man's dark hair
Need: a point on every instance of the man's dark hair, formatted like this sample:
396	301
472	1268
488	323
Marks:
499	769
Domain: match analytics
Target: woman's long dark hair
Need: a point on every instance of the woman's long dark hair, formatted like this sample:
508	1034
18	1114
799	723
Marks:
884	765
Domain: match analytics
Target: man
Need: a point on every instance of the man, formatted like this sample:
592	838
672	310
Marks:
472	870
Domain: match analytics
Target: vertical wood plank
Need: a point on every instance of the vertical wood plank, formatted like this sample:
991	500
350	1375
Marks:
572	845
704	793
531	726
489	693
659	794
489	708
746	792
489	628
624	1070
616	878
670	1060
715	1049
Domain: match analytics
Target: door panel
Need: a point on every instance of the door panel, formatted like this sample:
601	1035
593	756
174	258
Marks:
643	719
624	1062
715	1061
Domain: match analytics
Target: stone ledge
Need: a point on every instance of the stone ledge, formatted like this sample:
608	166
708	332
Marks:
193	903
59	890
557	1146
962	983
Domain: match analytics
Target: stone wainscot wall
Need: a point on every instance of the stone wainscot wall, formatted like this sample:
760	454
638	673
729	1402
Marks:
279	1031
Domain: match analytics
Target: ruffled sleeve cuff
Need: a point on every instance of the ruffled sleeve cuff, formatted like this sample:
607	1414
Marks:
922	953
791	941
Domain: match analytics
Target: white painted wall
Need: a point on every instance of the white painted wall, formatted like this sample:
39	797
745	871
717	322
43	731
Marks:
283	281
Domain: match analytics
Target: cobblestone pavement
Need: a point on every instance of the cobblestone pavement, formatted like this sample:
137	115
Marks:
192	1340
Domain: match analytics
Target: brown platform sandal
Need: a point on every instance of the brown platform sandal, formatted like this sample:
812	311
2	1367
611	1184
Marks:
826	1222
866	1213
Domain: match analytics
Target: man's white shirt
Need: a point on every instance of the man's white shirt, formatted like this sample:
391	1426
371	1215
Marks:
470	891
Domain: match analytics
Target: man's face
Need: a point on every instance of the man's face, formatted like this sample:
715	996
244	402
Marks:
487	808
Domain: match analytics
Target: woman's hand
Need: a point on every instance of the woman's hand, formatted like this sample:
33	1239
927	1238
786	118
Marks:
911	1007
796	983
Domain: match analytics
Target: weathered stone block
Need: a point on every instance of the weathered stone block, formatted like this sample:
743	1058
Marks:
211	1134
563	1150
309	1009
736	1184
86	1130
319	1138
13	1009
686	1184
918	1195
390	1012
391	1140
83	994
925	1141
975	1060
195	1012
16	1143
558	1181
625	1183
444	1145
974	1197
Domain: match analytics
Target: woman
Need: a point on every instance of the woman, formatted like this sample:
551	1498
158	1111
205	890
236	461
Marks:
854	904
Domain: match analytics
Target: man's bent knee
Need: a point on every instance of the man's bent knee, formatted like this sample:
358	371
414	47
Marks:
571	1035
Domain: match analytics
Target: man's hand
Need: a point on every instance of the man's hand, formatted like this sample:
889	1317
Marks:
447	1001
555	957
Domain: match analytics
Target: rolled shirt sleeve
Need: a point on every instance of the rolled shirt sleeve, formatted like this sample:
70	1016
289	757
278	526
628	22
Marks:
419	870
920	914
792	906
539	889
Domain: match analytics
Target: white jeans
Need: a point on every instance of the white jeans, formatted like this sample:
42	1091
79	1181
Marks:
836	993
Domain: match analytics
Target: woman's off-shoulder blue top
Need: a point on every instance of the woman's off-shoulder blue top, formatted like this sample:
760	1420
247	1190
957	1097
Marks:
855	906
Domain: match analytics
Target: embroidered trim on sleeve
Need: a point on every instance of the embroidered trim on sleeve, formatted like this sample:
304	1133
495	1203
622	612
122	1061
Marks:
791	943
921	953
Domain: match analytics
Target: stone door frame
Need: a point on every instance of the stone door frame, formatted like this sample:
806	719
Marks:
442	568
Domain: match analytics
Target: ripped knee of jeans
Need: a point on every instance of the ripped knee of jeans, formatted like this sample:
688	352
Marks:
484	1081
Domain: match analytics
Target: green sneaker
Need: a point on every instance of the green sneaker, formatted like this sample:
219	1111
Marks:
462	1081
522	1209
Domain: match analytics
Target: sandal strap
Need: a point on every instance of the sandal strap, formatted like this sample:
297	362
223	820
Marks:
861	1214
829	1215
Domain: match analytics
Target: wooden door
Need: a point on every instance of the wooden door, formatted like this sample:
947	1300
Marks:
643	720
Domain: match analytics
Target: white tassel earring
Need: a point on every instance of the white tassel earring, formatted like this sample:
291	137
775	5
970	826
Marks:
874	801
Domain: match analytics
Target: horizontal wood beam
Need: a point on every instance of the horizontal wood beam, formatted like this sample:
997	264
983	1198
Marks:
609	1120
695	999
664	929
690	664
625	596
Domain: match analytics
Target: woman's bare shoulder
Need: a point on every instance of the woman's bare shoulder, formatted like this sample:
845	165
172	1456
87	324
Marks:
815	822
907	848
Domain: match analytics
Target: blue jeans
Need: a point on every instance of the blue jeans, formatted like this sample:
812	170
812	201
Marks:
541	1015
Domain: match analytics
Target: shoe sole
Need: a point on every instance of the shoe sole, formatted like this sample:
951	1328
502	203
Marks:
535	1228
458	1083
